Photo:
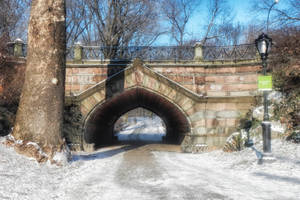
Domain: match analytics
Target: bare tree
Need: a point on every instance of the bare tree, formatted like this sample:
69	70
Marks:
290	15
115	23
40	113
77	19
218	13
12	16
227	34
287	15
251	32
178	14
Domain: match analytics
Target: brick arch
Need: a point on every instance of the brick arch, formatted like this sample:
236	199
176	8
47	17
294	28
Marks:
99	124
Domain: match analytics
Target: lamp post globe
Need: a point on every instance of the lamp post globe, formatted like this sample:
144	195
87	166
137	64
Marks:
263	44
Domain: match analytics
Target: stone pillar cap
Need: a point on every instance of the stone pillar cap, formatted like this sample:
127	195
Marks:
197	44
78	43
18	40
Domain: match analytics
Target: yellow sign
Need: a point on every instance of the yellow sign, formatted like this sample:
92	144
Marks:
265	83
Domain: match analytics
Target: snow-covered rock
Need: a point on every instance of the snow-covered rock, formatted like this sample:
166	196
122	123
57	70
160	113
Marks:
277	128
236	141
275	97
258	112
63	157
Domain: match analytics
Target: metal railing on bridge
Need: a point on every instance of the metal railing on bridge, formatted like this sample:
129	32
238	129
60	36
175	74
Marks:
150	53
234	52
143	52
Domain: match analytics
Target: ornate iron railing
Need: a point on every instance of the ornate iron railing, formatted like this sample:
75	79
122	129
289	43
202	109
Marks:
235	52
157	53
143	52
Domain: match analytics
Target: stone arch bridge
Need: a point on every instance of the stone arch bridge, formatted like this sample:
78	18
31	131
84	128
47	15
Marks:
201	93
201	103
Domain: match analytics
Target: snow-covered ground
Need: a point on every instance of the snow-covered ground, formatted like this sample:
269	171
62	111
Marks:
142	129
146	172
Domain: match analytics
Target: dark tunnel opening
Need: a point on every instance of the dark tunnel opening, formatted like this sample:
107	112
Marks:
99	126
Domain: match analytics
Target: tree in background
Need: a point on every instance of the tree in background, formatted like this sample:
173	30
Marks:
227	34
218	18
287	15
285	65
178	13
217	30
40	112
11	17
112	23
77	20
13	21
120	23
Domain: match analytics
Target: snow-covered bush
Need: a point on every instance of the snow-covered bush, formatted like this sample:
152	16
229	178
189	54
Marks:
279	129
235	142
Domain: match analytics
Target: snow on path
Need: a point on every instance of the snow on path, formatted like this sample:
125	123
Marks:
133	172
142	129
208	173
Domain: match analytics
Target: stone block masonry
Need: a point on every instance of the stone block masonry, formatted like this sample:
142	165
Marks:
211	98
81	79
214	80
223	80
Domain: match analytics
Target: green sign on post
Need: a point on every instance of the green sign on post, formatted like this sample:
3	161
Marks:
265	83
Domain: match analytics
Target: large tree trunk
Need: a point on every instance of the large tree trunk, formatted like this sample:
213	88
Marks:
40	114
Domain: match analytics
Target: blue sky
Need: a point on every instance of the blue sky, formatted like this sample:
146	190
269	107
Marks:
241	9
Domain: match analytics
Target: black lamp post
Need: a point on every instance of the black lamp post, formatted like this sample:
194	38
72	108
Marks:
263	44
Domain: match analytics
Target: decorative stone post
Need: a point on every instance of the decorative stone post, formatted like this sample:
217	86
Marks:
198	51
78	52
18	48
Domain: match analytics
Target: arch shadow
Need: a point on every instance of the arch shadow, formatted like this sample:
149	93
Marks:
99	125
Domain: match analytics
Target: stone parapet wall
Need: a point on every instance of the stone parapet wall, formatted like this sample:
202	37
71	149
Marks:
80	79
212	80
